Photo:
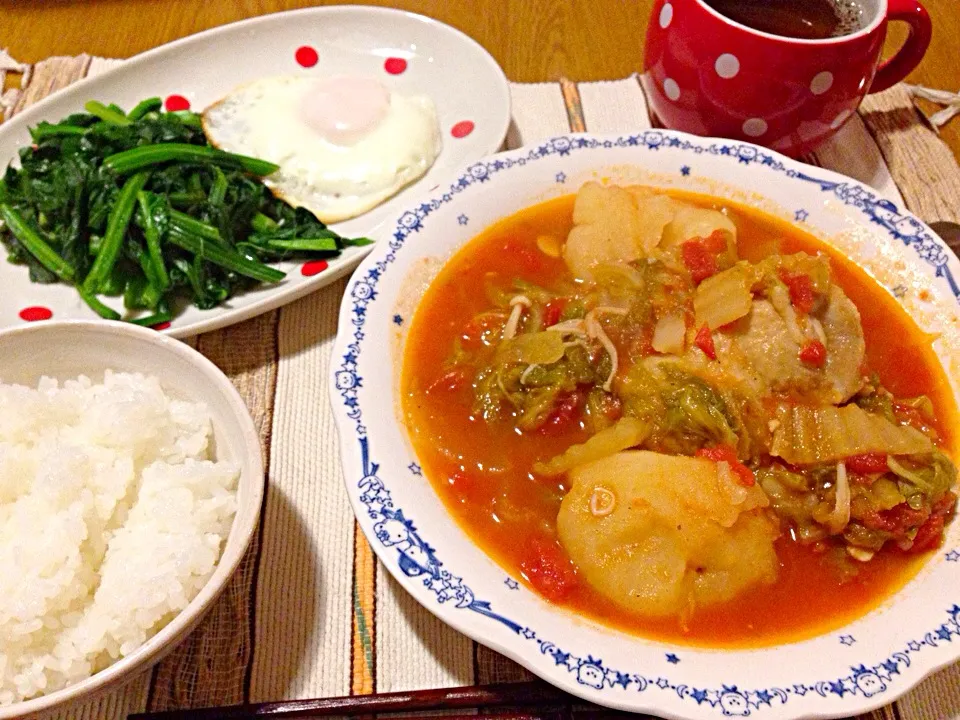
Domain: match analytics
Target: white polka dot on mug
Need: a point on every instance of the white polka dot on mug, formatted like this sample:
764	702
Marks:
755	127
666	15
671	89
727	66
821	82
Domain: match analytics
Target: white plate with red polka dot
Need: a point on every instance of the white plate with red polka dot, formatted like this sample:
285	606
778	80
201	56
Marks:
411	54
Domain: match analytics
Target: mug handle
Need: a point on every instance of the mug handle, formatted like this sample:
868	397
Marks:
896	68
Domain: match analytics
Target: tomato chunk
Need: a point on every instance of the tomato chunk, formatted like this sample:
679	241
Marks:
484	329
945	505
909	415
704	341
547	567
814	354
800	286
858	479
867	463
897	520
716	242
451	381
564	412
725	453
930	535
554	310
698	260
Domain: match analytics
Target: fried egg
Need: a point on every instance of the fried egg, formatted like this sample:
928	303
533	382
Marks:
344	144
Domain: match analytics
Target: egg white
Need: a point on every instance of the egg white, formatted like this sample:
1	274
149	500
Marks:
335	182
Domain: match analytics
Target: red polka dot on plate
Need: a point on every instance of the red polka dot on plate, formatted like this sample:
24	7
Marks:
462	129
174	103
33	314
160	326
314	267
306	56
395	66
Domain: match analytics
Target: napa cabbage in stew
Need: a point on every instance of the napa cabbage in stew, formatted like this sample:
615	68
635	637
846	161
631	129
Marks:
661	409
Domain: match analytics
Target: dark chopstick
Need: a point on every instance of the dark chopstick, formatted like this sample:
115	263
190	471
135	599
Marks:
537	694
551	714
533	714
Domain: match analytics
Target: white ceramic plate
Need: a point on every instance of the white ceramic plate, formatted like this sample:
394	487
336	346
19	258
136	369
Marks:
64	350
844	672
465	83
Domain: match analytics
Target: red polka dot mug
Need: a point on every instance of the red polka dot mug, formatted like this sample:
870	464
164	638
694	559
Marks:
709	75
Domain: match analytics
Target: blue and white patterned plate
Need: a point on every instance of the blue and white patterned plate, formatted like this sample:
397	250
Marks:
844	672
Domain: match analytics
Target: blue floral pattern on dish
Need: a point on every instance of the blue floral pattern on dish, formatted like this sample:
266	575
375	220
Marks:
417	559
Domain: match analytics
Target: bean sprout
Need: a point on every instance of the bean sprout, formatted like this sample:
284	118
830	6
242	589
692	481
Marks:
602	502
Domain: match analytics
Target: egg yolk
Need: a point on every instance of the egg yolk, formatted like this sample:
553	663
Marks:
343	110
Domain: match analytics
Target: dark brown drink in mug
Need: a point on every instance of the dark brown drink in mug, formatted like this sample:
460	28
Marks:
708	71
803	19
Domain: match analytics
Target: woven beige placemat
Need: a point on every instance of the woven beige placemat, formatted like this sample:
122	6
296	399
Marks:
310	611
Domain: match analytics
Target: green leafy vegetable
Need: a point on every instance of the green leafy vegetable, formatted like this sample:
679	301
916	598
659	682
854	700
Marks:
224	257
145	106
147	155
138	205
98	307
116	231
685	411
30	239
152	232
107	114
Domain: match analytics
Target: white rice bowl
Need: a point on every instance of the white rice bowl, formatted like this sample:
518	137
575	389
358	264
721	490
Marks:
113	516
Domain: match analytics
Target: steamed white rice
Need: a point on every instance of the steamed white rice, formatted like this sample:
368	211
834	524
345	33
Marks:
112	518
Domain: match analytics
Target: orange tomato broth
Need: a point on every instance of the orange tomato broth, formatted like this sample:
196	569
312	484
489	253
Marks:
482	472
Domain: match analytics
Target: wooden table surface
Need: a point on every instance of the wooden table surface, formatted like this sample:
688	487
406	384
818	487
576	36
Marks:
533	40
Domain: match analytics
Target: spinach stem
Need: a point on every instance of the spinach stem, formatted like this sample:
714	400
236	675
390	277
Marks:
140	292
145	106
224	257
186	198
152	234
191	225
356	242
116	229
314	244
155	319
112	115
44	131
188	117
263	223
218	190
36	245
107	313
146	155
191	271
